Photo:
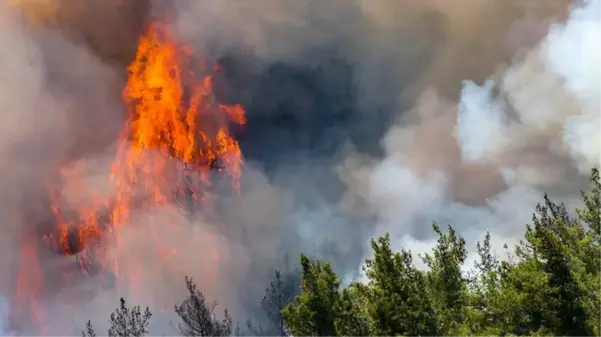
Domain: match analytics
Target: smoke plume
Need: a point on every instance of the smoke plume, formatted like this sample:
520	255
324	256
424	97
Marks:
364	117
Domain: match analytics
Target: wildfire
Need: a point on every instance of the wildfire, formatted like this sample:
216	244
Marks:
164	117
174	122
29	286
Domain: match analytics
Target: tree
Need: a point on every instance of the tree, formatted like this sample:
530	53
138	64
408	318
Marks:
352	318
198	315
554	244
397	299
591	214
125	322
274	301
89	330
281	291
550	284
483	290
313	311
588	274
446	284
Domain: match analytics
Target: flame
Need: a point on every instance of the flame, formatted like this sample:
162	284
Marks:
174	120
29	286
190	127
168	125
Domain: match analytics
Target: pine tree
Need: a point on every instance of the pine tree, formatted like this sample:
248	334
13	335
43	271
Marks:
126	322
398	301
313	311
352	316
445	281
554	242
198	315
89	330
550	285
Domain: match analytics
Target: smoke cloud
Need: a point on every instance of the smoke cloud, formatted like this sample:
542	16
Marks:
364	117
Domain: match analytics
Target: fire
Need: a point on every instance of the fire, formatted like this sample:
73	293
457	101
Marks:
29	286
75	229
164	118
174	122
173	119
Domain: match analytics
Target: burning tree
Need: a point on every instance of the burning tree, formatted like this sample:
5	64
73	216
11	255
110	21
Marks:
175	138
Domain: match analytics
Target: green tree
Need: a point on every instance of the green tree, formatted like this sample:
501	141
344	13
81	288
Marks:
398	302
588	275
484	291
550	284
525	302
446	284
353	318
313	311
554	244
591	214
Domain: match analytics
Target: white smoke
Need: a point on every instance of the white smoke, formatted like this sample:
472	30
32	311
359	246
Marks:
554	93
535	126
489	135
506	163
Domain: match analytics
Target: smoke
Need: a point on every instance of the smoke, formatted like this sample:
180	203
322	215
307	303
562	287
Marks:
482	163
59	102
364	117
4	323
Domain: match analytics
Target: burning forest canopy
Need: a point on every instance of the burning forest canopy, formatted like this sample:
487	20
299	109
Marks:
175	142
152	140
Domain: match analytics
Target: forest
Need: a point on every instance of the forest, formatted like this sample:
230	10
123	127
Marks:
548	284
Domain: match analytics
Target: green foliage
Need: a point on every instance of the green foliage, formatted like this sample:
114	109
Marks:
445	283
314	313
352	317
592	202
398	300
549	284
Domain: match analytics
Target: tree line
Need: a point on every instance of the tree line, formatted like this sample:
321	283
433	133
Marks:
547	284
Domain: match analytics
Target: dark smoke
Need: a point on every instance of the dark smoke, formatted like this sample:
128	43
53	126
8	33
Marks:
359	123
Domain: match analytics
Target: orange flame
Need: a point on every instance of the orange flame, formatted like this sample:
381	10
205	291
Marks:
166	122
174	120
190	127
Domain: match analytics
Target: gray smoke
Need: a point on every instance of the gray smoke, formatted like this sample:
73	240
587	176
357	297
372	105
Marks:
482	163
361	122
